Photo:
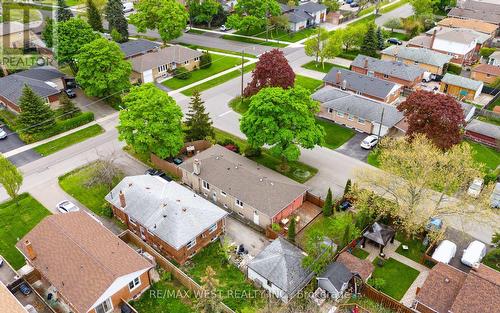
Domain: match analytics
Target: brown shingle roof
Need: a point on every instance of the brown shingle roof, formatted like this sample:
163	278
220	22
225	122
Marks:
80	257
487	69
9	303
363	267
172	54
476	25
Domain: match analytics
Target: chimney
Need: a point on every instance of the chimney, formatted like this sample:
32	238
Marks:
337	78
366	63
196	167
29	250
433	38
123	203
344	85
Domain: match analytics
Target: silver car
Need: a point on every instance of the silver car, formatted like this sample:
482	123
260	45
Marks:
67	206
3	134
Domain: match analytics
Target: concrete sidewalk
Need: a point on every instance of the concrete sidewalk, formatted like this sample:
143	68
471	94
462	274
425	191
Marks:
244	36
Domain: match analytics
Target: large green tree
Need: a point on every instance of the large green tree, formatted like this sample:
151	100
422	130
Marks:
370	42
283	119
169	17
68	107
63	13
422	7
102	70
116	18
315	45
94	16
198	122
203	11
36	115
10	177
48	32
71	36
151	122
253	14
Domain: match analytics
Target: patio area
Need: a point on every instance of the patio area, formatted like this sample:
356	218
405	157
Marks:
304	215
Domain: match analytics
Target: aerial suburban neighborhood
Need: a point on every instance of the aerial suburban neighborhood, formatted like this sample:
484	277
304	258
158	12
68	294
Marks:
249	156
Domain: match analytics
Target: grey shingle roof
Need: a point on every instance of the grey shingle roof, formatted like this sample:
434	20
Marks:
365	108
391	68
170	211
358	82
421	55
172	54
302	12
460	35
11	87
484	128
338	274
43	73
281	263
461	81
139	46
488	12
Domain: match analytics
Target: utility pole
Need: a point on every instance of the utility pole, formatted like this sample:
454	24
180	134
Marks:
242	73
380	126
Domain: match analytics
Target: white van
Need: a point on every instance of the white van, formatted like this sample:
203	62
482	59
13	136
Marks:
474	253
445	252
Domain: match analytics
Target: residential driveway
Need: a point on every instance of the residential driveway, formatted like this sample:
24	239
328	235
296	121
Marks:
13	142
403	11
353	149
99	107
238	233
462	240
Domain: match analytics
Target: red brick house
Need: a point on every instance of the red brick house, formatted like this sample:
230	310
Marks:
482	132
89	268
166	215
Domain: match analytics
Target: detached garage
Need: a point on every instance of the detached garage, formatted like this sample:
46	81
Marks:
485	133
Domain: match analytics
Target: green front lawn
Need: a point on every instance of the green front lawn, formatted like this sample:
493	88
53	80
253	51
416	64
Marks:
220	63
16	220
75	184
307	82
280	34
486	155
231	280
297	171
336	135
324	68
165	296
196	47
415	247
68	140
398	277
254	41
360	253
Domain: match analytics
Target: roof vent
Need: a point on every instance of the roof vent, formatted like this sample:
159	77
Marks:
260	179
446	280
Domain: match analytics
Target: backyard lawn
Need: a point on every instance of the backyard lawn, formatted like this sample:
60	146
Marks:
75	184
220	63
307	82
68	140
15	221
415	247
231	280
324	68
165	296
398	277
336	135
488	156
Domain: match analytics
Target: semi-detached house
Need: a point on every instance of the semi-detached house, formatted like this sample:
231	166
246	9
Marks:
430	61
243	186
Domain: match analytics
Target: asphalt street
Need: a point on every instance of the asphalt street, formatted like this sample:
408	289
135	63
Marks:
401	12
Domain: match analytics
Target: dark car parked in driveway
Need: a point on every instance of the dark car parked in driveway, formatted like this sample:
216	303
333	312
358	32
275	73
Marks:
70	92
395	41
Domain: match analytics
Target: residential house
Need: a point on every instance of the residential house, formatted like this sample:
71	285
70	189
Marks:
161	63
370	87
166	215
134	48
429	60
339	274
482	39
494	58
9	303
304	15
15	35
46	81
87	267
278	269
486	73
394	71
486	11
449	290
240	185
357	112
479	26
460	87
482	132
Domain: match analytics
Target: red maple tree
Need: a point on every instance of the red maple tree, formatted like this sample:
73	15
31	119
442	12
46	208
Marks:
438	116
272	70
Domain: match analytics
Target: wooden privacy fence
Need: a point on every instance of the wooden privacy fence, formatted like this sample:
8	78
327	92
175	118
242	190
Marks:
388	302
129	237
316	200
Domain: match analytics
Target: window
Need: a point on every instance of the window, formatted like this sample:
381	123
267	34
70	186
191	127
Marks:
358	92
350	117
361	121
206	185
212	228
191	244
132	221
186	62
223	193
104	307
239	203
162	68
416	62
386	76
330	110
134	284
340	114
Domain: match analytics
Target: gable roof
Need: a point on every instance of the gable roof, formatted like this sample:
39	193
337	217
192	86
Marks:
391	68
362	107
337	273
372	86
172	54
363	268
302	12
461	81
265	190
172	212
420	55
8	302
483	128
43	73
135	47
281	263
460	35
11	87
422	41
476	25
478	10
487	69
73	250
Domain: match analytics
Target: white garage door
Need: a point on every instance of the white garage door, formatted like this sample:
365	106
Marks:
148	76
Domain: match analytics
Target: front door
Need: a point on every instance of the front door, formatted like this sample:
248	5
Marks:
256	218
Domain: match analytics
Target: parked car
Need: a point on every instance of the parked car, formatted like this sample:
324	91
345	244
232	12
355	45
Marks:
395	41
3	134
25	289
177	161
474	253
369	142
428	76
67	206
70	92
495	197
128	7
445	252
30	308
476	187
224	28
154	172
354	5
349	1
345	205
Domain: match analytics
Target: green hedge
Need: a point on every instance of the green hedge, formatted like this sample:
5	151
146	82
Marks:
454	69
9	118
60	127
